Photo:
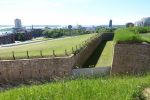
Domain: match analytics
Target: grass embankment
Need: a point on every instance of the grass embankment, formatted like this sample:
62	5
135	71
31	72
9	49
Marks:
106	56
127	35
114	88
47	47
146	37
131	36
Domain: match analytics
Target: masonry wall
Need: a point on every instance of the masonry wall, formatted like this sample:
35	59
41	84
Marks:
84	54
45	68
131	58
35	69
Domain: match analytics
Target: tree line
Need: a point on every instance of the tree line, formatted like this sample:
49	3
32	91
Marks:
56	33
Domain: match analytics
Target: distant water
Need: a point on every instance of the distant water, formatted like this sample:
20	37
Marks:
8	28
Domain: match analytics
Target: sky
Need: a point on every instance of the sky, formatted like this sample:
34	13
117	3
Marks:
73	12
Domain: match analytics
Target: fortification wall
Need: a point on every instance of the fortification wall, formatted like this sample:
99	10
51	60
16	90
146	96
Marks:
131	59
45	68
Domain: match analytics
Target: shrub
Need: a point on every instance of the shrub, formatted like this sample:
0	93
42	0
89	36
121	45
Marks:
103	29
56	33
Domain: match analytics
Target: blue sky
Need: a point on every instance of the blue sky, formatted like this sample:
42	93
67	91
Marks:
64	12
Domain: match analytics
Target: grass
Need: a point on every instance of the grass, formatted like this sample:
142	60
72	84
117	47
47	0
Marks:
93	59
47	47
114	88
126	35
106	57
146	37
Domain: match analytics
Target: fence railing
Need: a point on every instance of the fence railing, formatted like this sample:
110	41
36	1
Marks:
48	52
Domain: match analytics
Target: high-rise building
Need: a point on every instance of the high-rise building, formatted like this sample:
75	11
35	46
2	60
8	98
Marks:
110	23
143	22
18	23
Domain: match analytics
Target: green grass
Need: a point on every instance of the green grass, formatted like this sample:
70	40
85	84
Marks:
47	47
126	35
106	56
146	37
93	59
132	35
114	88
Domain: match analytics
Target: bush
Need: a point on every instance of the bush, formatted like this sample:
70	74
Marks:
100	29
56	33
20	36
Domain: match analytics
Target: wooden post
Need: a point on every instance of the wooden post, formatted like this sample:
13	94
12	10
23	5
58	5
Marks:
13	54
54	53
27	54
41	53
66	52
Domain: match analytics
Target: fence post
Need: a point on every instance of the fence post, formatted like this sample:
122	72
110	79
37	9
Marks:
27	54
54	53
41	53
66	52
13	54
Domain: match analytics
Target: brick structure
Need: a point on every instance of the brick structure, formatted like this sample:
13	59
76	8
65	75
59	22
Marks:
131	58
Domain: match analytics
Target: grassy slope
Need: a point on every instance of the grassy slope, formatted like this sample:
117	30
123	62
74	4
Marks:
34	49
114	88
147	35
106	56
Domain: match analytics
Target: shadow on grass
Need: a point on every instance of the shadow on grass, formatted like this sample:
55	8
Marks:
93	59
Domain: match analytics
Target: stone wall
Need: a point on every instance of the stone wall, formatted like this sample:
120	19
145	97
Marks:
88	50
45	68
131	58
35	69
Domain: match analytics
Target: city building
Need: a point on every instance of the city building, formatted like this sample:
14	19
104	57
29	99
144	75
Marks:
18	23
143	22
110	23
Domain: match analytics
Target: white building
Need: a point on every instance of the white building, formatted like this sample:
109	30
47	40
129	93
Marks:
143	22
18	23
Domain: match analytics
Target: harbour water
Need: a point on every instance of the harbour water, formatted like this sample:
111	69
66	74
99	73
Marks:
6	29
